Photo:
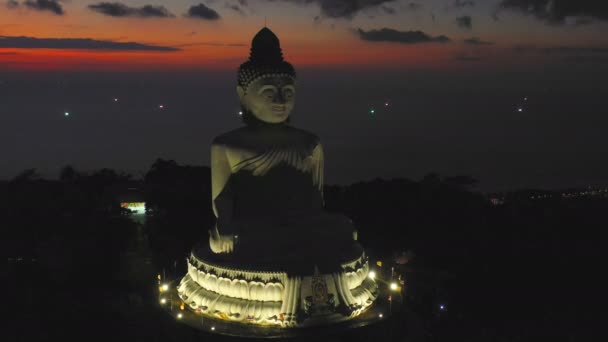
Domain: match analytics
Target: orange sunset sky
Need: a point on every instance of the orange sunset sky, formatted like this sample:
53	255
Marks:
217	34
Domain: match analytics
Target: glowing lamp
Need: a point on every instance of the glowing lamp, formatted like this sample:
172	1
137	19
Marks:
393	286
179	315
372	275
165	287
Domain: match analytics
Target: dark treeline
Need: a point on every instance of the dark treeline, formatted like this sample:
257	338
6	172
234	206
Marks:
510	272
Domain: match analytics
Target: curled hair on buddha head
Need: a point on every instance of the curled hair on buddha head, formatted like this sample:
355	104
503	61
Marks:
265	59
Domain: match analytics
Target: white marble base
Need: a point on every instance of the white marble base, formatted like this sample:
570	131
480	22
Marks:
275	298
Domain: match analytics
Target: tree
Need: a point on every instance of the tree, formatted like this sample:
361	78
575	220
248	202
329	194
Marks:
27	175
68	174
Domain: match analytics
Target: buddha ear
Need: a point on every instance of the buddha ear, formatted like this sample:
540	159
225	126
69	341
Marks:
240	92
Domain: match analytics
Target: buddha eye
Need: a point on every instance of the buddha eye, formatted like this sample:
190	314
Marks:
268	93
288	93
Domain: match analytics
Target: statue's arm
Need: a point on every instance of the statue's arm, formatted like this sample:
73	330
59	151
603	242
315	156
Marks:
220	173
317	168
220	242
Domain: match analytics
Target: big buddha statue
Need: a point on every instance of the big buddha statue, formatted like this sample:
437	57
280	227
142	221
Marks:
274	255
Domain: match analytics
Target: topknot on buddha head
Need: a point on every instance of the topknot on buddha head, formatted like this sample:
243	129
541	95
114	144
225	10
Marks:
265	59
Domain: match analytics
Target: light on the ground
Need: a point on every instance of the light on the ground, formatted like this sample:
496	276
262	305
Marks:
372	275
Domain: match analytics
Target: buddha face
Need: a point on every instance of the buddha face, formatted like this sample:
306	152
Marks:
270	99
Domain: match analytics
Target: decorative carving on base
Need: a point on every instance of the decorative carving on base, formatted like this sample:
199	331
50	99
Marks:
274	298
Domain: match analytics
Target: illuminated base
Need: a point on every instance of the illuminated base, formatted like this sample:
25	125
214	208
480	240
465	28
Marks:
380	310
264	298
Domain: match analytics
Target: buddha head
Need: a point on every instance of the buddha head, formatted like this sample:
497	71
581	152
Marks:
266	82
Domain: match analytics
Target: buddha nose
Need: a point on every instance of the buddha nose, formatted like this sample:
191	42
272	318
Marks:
279	97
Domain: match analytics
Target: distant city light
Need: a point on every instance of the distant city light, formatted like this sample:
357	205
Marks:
179	315
442	307
393	286
165	287
386	104
380	315
525	99
163	300
372	111
66	114
212	328
161	106
115	100
240	112
520	109
372	275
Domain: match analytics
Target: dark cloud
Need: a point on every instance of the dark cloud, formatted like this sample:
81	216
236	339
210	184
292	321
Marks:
154	11
465	22
557	12
477	41
76	43
235	8
45	5
12	4
116	9
412	6
388	10
464	3
405	37
345	9
201	11
243	3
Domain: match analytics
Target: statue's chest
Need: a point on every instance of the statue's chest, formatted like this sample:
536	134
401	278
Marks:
261	160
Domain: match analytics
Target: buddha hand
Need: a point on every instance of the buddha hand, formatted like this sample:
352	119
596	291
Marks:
220	243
